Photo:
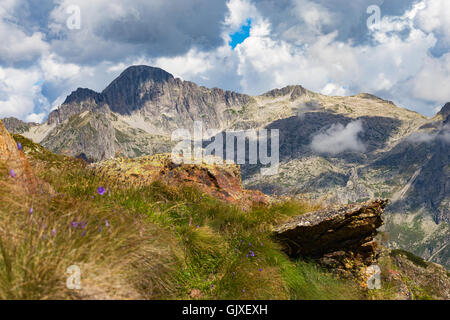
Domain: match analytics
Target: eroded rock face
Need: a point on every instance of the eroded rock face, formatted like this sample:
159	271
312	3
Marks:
14	125
341	238
15	162
221	181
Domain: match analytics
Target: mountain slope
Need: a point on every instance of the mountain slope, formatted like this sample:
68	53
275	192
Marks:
167	240
332	149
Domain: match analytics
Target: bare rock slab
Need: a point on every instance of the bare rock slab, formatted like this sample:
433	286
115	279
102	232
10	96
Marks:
337	237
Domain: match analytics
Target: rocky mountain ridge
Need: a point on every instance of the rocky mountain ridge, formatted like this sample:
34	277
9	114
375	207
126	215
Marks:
332	149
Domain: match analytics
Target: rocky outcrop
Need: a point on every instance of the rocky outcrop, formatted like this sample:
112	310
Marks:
341	238
14	125
15	163
79	101
423	280
169	103
293	91
101	135
221	181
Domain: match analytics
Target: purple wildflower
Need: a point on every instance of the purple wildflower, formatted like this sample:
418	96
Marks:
106	223
19	146
53	232
12	174
74	224
83	225
83	234
101	191
252	253
212	286
260	270
249	244
100	229
31	210
243	290
198	226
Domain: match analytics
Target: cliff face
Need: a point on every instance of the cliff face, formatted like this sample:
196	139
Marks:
168	103
155	96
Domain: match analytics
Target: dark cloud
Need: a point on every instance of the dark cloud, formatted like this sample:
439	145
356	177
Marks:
153	28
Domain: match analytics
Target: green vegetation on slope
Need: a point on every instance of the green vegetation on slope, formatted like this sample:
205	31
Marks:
156	242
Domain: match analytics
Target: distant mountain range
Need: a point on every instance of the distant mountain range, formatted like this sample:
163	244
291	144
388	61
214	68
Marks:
332	149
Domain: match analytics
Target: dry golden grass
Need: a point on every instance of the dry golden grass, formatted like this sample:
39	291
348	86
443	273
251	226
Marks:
119	255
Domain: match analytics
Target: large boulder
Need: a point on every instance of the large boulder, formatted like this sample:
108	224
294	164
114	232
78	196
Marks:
15	163
341	238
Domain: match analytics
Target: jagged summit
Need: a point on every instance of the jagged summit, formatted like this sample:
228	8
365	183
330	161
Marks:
138	74
82	94
295	92
125	93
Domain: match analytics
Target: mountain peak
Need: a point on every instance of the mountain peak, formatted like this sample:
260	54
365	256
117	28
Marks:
295	91
123	94
143	73
82	94
445	111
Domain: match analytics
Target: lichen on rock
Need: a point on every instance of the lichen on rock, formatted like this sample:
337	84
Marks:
221	181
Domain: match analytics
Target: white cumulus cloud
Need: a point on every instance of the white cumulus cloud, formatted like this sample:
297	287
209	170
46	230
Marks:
339	138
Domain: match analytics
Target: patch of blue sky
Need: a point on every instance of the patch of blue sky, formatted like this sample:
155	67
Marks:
240	36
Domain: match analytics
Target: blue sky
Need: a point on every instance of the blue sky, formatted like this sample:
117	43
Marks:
249	46
239	36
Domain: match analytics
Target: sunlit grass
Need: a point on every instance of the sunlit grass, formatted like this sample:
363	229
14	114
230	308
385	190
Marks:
153	242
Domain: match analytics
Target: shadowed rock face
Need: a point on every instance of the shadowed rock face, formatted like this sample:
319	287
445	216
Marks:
79	101
335	235
125	93
445	111
15	162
